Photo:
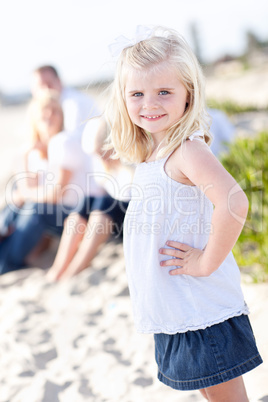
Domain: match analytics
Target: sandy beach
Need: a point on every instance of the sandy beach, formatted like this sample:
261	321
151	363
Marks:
75	341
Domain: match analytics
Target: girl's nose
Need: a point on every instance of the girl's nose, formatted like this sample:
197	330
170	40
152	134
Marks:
150	102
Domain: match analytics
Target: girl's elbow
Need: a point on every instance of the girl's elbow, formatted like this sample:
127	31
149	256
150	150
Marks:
239	204
245	204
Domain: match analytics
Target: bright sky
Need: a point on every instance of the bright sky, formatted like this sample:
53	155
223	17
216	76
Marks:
74	35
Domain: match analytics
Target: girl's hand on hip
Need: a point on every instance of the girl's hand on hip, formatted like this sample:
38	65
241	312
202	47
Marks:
188	259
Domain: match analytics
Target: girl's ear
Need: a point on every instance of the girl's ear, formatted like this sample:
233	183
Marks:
187	102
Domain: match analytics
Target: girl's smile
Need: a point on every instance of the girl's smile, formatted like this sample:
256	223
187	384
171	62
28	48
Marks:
155	99
153	118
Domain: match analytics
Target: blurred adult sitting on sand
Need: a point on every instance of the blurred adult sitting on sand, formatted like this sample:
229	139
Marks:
87	229
50	185
77	106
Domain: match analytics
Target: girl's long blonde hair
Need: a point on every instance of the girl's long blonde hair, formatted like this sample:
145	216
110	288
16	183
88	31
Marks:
130	142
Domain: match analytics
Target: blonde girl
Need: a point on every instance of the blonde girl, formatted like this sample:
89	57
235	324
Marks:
184	217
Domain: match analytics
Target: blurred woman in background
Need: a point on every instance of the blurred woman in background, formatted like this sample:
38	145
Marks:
52	183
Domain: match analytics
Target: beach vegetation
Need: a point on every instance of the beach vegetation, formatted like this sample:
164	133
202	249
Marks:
247	161
231	107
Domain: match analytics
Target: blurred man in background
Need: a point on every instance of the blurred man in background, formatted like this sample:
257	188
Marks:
77	106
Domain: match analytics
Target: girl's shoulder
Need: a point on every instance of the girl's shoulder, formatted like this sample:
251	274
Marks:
189	159
197	135
194	144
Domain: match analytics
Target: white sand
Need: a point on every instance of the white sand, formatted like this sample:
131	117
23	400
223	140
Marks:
75	341
245	87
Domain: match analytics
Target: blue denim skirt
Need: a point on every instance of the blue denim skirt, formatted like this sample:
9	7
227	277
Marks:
207	357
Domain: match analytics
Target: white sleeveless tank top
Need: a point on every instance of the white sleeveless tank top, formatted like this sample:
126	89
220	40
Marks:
162	209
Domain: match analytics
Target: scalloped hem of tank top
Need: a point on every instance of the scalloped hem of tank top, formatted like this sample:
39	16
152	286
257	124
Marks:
244	311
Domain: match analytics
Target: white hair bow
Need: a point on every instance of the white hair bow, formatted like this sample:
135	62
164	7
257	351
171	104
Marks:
121	42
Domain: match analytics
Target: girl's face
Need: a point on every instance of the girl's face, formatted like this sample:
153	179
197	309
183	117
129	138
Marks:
49	121
155	99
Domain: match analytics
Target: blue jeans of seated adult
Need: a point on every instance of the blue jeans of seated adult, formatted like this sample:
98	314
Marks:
32	221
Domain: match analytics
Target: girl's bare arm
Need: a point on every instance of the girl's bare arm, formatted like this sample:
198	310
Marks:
203	169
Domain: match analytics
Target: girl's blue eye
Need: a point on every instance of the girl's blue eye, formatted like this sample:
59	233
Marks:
163	92
138	94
